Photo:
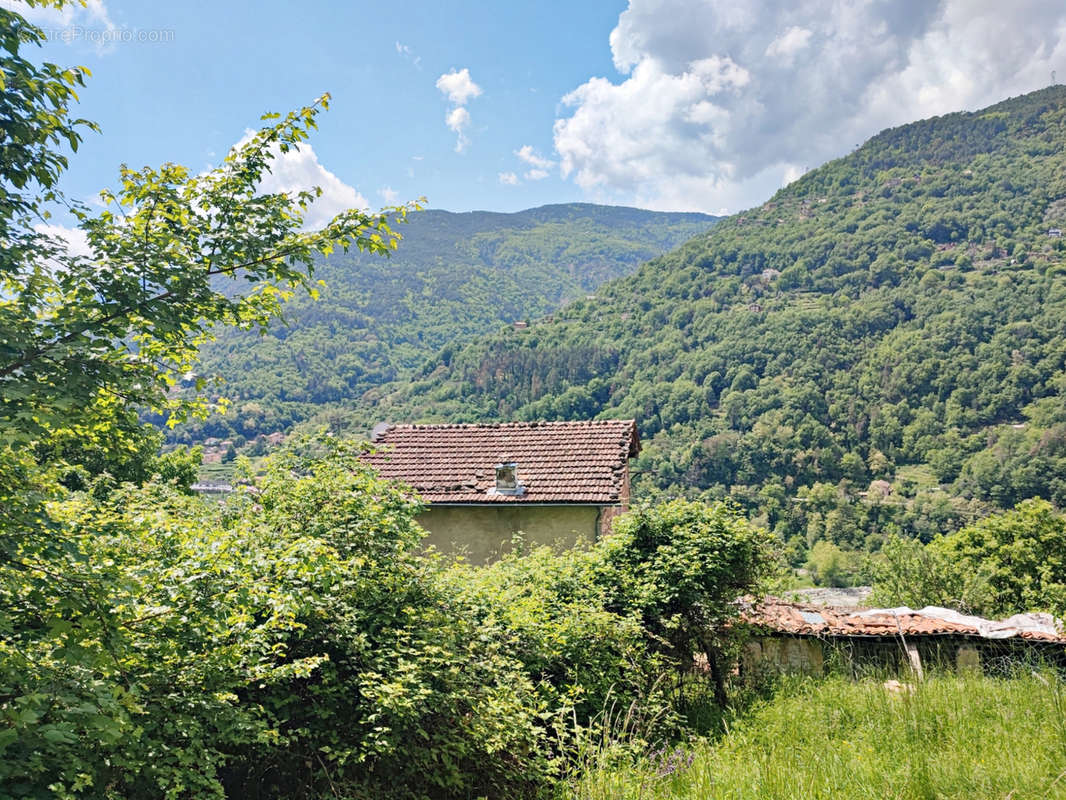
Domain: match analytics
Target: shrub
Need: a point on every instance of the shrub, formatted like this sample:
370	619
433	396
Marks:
1004	564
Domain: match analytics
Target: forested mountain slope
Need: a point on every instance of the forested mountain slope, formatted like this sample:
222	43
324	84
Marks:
453	277
879	347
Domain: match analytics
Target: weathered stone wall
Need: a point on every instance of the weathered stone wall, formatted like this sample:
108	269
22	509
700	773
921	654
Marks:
785	654
890	655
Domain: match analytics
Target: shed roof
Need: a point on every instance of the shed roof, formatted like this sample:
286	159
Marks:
557	462
813	620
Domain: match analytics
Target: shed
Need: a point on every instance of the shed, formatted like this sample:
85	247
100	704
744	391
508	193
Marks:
799	637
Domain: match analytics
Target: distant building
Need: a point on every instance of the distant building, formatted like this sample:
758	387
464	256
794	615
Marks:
1055	233
521	326
556	482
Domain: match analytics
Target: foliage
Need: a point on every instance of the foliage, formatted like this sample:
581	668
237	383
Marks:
584	661
1021	552
127	321
1007	563
295	642
680	566
952	737
291	643
828	565
879	349
908	573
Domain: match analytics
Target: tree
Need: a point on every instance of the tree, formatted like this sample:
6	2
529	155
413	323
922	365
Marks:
1008	563
680	567
85	339
1021	553
85	343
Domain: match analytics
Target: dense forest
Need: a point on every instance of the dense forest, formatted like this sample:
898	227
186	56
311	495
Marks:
454	277
877	349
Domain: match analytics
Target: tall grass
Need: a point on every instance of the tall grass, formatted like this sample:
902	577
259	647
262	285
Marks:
964	736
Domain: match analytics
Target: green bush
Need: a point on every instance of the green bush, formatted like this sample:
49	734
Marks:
1004	564
293	641
287	644
680	566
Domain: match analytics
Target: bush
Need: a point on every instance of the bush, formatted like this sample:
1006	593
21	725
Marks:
294	642
680	567
293	645
1005	564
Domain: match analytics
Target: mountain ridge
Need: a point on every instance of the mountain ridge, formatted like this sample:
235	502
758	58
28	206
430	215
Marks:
896	316
455	276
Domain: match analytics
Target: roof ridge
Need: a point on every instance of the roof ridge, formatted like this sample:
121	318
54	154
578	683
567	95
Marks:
509	424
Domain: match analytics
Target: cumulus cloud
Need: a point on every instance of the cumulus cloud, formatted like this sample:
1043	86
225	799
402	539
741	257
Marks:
537	165
789	43
527	154
458	120
460	89
721	103
508	179
299	169
388	194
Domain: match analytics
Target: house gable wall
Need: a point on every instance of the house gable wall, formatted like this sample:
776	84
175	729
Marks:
484	533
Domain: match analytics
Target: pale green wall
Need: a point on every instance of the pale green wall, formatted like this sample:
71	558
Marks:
484	532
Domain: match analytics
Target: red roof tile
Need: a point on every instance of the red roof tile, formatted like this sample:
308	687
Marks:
815	620
558	462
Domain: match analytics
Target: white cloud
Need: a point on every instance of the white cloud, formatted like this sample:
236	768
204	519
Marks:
406	52
721	102
527	154
299	169
458	87
388	194
508	179
458	119
77	242
789	43
539	166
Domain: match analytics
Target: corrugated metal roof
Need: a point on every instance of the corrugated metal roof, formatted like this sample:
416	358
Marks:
809	620
557	462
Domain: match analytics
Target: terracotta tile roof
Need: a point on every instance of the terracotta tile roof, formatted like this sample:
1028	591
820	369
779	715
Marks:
815	620
558	462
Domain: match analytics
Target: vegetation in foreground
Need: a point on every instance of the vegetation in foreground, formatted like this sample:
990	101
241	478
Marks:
964	736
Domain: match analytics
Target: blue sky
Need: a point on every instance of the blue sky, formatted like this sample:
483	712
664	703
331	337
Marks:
670	104
189	99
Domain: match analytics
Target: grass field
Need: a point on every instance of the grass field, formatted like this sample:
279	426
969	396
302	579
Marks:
951	737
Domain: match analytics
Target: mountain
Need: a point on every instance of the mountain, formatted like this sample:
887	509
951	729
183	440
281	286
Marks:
454	277
880	347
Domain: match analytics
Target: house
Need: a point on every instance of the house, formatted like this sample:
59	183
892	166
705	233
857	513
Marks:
556	482
812	639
